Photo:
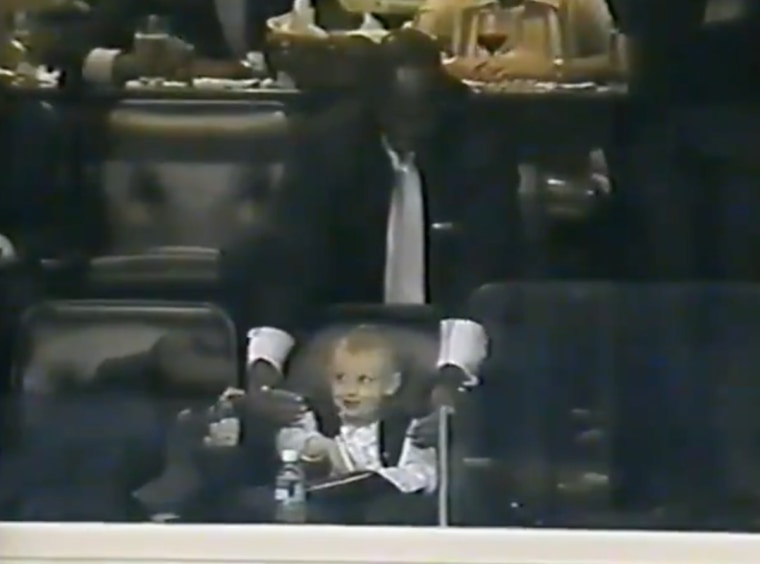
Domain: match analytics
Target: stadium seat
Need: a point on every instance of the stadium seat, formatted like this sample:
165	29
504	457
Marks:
179	180
96	386
688	428
563	201
413	331
623	404
546	390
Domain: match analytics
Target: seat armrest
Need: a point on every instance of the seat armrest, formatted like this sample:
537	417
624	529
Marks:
186	267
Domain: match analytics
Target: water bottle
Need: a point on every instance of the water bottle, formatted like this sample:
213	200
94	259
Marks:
290	490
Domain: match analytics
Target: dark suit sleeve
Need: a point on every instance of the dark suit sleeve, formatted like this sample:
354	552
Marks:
491	231
282	272
483	183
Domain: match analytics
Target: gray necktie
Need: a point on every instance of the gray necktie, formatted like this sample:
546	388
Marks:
405	243
232	17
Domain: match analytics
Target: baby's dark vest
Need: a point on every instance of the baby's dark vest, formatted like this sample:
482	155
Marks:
392	432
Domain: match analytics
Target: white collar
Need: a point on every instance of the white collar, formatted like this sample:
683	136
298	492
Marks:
372	425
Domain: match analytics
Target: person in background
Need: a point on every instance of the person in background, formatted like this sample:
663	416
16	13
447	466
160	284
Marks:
99	46
584	39
414	210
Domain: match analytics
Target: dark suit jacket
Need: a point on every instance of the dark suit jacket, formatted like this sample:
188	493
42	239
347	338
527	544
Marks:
328	239
111	23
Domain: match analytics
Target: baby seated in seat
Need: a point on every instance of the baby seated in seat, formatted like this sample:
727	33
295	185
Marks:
370	471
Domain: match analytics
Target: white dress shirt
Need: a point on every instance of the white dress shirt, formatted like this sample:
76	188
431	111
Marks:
359	449
463	342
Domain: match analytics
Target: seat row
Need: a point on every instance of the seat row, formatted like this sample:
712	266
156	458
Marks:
594	397
149	189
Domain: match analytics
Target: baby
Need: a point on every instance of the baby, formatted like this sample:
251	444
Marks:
364	374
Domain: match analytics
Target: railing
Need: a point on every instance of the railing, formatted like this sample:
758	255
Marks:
225	544
51	543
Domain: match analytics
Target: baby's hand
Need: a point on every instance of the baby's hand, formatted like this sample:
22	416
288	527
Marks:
323	450
317	448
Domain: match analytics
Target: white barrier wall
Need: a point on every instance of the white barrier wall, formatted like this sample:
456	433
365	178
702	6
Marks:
188	544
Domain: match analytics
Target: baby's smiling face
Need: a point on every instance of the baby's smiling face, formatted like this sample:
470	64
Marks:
360	380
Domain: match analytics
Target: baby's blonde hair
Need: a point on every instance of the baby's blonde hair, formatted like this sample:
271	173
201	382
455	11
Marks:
365	339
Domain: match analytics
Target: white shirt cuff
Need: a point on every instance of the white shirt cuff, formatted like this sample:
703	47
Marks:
464	344
98	65
7	250
270	344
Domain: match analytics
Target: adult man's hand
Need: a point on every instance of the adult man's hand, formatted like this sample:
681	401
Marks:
448	383
262	375
425	433
277	407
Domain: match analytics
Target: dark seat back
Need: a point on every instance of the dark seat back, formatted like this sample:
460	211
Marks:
648	388
688	427
97	385
182	179
78	336
546	390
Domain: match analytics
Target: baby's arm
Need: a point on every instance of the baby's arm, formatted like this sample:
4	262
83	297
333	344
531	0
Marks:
417	469
304	437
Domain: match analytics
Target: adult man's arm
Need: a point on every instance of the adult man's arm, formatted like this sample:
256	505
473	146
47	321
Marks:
490	249
281	273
